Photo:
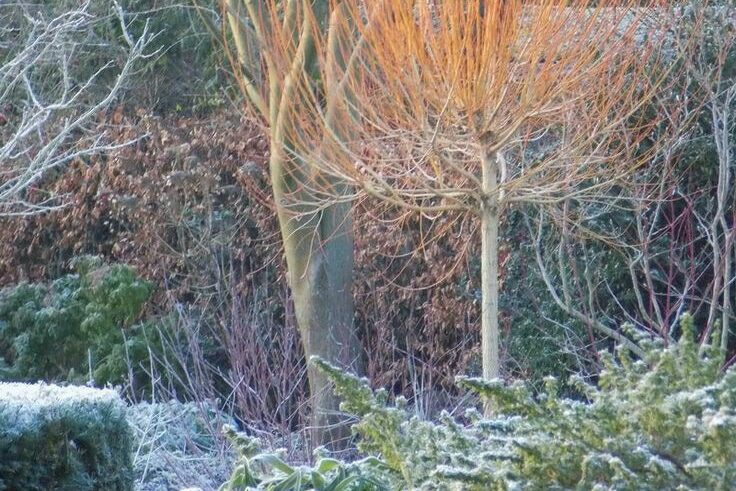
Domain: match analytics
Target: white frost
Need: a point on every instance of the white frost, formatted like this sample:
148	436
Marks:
41	395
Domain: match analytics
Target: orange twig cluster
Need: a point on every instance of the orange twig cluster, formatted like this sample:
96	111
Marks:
417	92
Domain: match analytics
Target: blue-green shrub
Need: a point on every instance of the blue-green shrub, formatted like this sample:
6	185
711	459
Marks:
63	438
58	331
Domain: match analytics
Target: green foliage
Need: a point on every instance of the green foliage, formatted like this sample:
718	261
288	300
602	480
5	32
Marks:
54	331
268	471
664	422
417	453
63	438
183	72
544	340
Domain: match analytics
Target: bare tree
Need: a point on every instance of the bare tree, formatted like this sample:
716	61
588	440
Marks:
718	82
47	112
480	106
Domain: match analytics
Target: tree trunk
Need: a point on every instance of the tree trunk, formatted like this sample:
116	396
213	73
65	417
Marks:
490	216
489	289
317	236
320	280
318	245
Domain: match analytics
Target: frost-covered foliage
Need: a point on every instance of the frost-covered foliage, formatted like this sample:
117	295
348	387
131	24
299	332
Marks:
179	445
63	438
664	422
268	470
56	331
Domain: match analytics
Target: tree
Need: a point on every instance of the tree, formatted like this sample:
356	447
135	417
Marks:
479	106
47	109
278	56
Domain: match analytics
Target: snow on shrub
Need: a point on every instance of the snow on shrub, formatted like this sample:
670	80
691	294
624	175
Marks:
63	438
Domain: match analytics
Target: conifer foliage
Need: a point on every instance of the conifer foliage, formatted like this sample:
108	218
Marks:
665	421
73	328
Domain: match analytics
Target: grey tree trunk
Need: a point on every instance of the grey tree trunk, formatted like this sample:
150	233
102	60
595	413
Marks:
318	245
317	236
489	287
490	217
726	314
320	266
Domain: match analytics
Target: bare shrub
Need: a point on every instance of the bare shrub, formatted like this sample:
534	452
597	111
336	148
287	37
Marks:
48	106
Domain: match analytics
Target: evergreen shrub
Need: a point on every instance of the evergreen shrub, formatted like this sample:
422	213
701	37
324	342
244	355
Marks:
666	421
75	328
63	438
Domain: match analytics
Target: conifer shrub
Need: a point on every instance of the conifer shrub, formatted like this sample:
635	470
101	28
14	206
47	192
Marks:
79	327
63	438
666	421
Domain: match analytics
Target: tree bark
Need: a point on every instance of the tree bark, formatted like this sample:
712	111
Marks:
317	236
318	245
726	314
490	217
320	264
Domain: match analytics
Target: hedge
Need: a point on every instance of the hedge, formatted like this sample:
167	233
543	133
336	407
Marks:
63	438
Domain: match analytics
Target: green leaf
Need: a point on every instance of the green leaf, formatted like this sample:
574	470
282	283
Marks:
318	480
326	465
273	461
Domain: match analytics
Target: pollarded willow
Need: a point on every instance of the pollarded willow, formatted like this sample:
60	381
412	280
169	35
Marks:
481	105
